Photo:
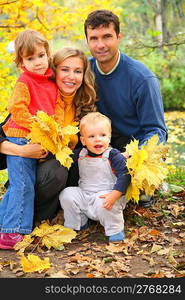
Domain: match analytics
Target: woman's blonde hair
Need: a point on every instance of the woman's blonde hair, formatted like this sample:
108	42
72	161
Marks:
25	43
85	96
93	118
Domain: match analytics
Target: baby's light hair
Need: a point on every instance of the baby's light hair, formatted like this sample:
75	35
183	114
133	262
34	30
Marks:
25	43
92	118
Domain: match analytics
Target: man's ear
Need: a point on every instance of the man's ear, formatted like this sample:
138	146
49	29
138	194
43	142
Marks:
82	140
119	37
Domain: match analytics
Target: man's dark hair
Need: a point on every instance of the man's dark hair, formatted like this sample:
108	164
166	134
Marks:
102	17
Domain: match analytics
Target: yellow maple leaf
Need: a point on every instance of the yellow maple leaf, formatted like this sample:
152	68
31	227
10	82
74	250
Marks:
69	130
59	237
132	192
21	246
53	138
53	236
146	167
34	264
64	156
41	136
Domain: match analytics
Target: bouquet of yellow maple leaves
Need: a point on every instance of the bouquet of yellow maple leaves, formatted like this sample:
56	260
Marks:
53	138
146	166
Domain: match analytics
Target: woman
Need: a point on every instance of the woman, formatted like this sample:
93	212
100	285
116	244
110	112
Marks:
75	81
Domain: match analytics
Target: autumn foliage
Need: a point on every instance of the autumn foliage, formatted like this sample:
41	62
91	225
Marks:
53	138
146	166
63	19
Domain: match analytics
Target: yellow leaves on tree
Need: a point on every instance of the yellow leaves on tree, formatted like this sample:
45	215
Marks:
34	264
146	167
47	132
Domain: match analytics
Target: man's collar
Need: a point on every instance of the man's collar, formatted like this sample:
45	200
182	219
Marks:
99	69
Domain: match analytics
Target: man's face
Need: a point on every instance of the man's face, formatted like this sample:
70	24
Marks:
103	43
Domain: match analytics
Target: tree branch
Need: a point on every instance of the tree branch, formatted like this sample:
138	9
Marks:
7	3
169	44
40	21
12	26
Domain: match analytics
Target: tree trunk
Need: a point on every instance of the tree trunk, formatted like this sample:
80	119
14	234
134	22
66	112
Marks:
179	8
158	21
165	35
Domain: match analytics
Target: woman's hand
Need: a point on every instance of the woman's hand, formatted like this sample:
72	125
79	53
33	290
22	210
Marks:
32	151
28	150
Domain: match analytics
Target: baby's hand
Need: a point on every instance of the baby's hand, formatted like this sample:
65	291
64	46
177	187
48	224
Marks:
110	198
125	154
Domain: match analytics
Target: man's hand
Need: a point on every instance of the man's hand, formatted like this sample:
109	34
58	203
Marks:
110	199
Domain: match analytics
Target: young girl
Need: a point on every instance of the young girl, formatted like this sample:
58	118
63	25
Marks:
103	180
34	91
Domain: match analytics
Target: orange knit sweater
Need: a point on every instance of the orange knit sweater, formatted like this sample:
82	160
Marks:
69	115
33	92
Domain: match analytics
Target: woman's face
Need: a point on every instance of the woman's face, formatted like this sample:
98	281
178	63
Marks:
69	75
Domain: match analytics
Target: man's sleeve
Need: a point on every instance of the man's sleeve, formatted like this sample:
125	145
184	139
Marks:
150	110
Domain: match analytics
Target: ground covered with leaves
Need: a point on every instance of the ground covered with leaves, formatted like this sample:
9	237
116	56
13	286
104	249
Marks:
153	247
154	244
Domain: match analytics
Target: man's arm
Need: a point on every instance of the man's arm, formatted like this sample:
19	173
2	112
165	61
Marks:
150	110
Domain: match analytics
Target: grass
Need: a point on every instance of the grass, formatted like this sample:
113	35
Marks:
176	141
177	177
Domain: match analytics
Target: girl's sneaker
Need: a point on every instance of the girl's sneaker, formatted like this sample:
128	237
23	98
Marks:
118	237
9	240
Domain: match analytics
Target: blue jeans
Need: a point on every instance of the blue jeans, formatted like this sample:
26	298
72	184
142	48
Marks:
17	205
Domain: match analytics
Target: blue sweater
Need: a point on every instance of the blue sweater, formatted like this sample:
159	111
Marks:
130	96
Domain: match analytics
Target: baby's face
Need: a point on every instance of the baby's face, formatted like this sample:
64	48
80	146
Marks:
96	137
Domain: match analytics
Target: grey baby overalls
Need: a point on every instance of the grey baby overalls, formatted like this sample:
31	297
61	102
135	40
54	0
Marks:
83	202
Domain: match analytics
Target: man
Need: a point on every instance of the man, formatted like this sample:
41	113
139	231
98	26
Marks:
129	93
